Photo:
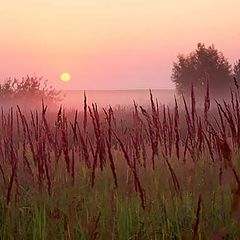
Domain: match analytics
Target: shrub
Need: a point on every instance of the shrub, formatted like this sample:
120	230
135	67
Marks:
28	90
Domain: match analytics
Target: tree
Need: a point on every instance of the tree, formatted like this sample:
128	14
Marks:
29	91
205	64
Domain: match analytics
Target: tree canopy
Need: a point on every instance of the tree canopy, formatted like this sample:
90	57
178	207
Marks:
204	64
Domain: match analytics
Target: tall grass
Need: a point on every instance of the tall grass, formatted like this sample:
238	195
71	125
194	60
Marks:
156	173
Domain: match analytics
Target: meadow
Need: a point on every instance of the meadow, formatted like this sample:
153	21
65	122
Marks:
154	172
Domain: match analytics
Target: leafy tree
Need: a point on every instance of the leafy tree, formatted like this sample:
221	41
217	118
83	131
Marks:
202	65
28	90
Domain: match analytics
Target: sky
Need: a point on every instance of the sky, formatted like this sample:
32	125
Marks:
111	44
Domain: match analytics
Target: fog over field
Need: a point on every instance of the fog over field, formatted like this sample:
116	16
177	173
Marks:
74	99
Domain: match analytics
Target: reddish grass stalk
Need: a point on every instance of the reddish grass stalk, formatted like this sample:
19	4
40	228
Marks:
220	110
9	188
112	165
170	127
197	222
185	148
207	102
25	159
134	171
174	179
65	144
27	134
95	158
85	113
47	175
209	147
13	175
3	175
152	135
85	148
193	101
74	127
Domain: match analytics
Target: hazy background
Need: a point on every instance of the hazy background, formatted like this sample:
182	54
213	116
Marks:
122	44
74	98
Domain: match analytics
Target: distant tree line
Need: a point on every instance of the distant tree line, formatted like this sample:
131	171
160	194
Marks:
205	65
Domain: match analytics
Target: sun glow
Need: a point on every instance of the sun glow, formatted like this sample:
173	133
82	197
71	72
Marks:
65	77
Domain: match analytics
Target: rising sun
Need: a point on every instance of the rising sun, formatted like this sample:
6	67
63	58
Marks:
65	77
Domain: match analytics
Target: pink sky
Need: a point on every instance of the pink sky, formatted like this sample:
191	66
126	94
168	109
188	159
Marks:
111	44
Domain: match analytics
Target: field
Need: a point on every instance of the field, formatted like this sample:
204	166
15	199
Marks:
139	173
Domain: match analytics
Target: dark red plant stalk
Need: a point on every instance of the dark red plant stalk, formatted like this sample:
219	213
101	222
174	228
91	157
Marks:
174	179
3	175
220	110
73	167
85	113
185	148
34	126
200	137
91	146
96	125
135	146
74	128
164	131
152	136
11	124
207	102
227	156
40	164
97	119
190	126
18	125
59	118
176	128
112	165
95	230
65	144
170	128
49	136
27	134
13	175
193	101
237	113
155	118
187	115
134	171
95	158
9	189
209	146
47	174
84	147
2	117
144	154
196	225
109	115
220	176
25	159
99	138
233	105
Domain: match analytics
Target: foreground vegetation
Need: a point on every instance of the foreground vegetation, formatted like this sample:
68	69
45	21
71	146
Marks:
156	173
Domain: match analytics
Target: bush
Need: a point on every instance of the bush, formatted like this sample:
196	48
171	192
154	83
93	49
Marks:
29	91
